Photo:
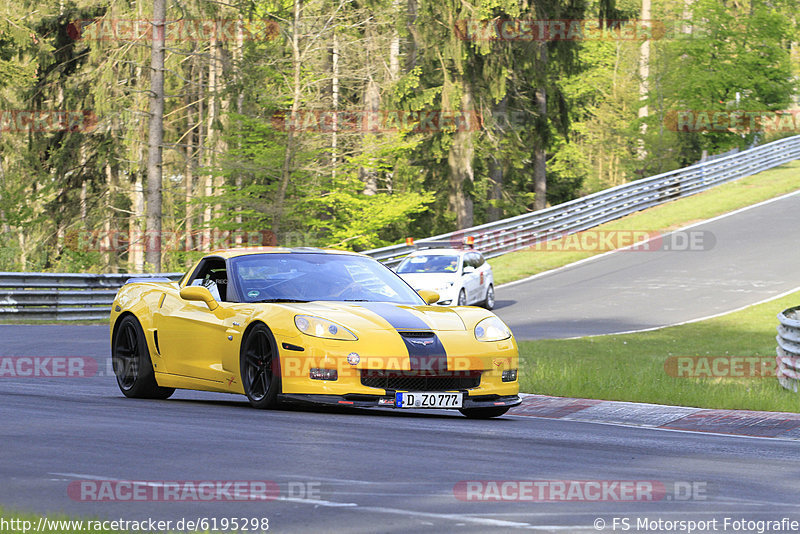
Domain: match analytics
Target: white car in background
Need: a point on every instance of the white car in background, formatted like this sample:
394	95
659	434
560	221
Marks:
461	277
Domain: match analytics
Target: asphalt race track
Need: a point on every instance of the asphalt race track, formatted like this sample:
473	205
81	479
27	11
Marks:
365	471
356	471
737	260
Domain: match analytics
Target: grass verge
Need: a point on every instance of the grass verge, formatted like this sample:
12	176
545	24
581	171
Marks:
664	218
631	367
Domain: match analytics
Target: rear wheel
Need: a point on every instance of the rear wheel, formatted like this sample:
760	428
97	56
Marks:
485	413
130	358
489	302
259	364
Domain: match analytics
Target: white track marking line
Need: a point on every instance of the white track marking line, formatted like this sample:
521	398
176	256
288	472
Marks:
660	236
337	480
455	517
82	476
318	502
697	320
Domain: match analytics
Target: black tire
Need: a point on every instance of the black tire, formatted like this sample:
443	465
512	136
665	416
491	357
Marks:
259	364
462	298
133	368
484	413
488	303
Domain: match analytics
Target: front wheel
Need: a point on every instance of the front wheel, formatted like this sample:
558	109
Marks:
489	302
462	298
130	358
259	365
484	413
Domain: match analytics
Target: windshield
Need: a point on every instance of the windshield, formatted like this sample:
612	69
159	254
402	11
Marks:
429	264
302	277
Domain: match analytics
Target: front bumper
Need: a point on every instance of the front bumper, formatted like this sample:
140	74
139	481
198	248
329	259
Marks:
387	401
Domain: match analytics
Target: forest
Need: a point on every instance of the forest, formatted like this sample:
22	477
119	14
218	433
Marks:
135	135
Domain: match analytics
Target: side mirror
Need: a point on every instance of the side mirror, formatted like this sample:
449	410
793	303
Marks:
199	293
468	269
430	297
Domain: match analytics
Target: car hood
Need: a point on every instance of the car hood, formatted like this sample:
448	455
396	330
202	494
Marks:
366	316
430	281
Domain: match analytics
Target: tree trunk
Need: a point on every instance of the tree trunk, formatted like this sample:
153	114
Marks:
220	146
687	16
372	104
644	73
540	151
335	103
189	155
211	144
237	62
411	54
155	137
394	46
5	226
288	155
459	160
111	237
495	211
136	237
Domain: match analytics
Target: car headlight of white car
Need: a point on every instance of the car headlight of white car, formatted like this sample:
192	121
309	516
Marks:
491	329
444	288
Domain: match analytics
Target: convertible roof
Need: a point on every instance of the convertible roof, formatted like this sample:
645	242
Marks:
247	251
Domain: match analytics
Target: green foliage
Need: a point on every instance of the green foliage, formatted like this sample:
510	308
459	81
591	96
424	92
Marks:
736	58
245	171
359	221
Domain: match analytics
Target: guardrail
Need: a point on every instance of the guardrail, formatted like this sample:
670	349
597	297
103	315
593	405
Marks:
496	238
788	358
58	296
49	296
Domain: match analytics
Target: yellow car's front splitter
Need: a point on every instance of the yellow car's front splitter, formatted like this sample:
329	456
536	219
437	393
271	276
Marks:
392	400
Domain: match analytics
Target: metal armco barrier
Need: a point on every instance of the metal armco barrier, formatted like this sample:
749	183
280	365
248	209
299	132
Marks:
88	296
496	238
57	296
788	358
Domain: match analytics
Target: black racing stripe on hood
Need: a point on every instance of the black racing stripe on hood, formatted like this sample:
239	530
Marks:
399	318
424	353
429	356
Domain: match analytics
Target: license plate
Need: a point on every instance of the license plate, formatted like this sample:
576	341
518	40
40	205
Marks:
419	399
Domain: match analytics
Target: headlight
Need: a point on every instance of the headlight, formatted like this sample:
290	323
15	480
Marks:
444	288
491	329
319	327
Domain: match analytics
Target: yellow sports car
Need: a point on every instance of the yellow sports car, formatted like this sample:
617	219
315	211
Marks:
309	325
